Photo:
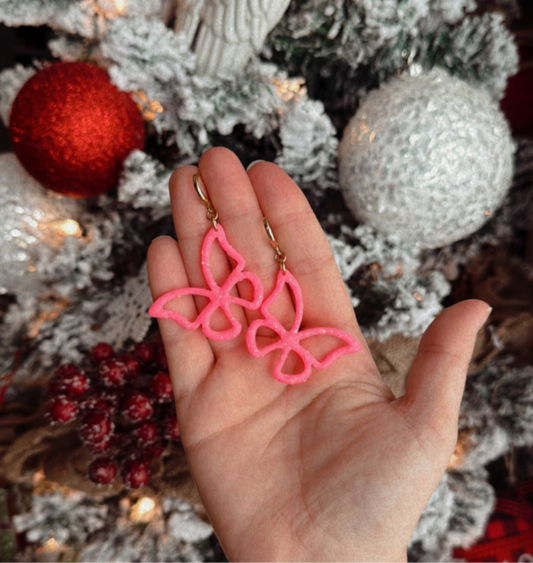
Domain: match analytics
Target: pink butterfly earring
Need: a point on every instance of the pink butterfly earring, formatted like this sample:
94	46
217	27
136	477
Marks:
289	340
218	295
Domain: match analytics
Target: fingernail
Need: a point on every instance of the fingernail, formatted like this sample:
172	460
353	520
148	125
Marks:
253	164
487	315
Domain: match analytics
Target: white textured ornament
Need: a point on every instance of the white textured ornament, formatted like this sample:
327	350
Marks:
33	223
226	33
427	159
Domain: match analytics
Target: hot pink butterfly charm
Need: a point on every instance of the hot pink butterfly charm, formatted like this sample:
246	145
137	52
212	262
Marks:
290	339
219	296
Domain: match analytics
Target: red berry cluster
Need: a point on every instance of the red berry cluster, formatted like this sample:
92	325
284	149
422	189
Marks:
124	407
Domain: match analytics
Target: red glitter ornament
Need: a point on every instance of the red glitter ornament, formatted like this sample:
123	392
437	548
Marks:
72	129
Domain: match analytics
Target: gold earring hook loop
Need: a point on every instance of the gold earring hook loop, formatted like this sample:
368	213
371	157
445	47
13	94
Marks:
279	256
212	213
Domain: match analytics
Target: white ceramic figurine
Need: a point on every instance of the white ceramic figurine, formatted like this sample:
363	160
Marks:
226	33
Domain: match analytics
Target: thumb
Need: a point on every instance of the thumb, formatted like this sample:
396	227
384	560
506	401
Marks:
437	377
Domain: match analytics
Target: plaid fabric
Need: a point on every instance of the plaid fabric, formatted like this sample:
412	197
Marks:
509	533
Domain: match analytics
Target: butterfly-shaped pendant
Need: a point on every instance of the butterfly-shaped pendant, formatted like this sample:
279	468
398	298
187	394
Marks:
219	296
289	340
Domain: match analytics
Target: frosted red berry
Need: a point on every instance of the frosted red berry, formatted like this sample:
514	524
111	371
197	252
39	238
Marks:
144	352
62	409
171	429
103	400
74	384
161	388
137	407
68	379
102	471
135	473
112	373
96	427
99	447
100	352
150	451
132	364
146	433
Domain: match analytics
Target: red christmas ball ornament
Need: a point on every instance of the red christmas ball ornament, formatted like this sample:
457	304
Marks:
72	129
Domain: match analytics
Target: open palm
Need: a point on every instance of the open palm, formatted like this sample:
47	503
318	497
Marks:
334	468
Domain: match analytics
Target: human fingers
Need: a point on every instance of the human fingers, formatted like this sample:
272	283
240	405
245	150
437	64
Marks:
236	202
436	380
189	353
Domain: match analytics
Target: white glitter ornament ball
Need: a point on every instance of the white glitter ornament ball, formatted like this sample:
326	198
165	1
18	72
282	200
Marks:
33	226
426	158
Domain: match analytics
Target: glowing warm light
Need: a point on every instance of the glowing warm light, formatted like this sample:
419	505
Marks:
454	461
148	108
38	476
289	89
110	9
143	510
417	296
51	545
55	231
120	5
69	228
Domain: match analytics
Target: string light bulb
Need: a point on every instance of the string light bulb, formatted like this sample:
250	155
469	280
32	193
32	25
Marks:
143	510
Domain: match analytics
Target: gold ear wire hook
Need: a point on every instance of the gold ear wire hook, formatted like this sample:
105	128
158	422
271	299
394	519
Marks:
280	256
212	213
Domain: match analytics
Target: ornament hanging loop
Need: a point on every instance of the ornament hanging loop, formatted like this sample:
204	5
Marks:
212	213
279	256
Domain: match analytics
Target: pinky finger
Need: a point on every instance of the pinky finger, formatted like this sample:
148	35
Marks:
189	353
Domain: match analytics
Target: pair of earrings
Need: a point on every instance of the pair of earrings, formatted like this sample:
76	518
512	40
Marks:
219	298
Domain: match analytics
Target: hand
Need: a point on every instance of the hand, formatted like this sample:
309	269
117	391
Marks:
333	469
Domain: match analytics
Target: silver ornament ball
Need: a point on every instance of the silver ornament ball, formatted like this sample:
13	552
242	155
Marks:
33	226
426	159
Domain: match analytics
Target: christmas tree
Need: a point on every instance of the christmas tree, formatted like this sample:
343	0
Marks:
407	125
